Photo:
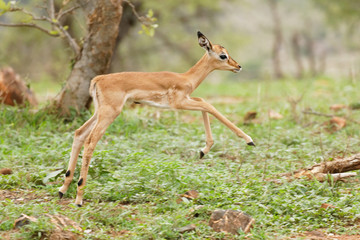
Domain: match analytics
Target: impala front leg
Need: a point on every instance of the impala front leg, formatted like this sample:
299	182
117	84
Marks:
208	134
195	104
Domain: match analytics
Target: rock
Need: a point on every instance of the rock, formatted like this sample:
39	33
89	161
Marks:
6	171
230	221
13	90
24	220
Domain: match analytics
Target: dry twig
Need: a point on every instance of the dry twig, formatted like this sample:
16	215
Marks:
328	115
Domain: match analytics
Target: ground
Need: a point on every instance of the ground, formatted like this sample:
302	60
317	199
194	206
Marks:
148	158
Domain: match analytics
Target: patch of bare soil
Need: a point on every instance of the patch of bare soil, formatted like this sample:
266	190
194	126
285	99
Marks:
7	235
21	196
321	235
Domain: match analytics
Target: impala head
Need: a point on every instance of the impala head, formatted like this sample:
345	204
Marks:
218	54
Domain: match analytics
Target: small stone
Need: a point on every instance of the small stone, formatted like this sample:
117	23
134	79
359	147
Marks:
230	221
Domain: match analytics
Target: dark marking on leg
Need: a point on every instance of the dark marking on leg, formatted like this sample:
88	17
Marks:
80	182
67	173
79	205
202	154
61	195
251	144
137	102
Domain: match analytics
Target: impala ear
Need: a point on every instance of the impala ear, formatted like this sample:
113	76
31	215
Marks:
204	42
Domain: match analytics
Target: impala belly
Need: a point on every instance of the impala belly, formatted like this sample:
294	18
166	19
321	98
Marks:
162	104
155	99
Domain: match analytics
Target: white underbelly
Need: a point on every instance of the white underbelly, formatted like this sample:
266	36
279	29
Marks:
160	104
159	99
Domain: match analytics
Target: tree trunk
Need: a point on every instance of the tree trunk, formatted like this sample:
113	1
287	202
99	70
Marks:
295	43
128	21
278	39
310	47
103	21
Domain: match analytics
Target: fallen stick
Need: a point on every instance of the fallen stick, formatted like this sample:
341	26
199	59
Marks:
318	113
328	115
331	169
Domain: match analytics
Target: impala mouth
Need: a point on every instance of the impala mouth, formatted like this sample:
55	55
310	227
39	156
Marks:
236	70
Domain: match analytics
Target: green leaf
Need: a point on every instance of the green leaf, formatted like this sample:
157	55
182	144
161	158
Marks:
150	13
52	175
54	32
4	7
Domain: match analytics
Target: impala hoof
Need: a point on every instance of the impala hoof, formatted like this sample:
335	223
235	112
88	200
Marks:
202	154
61	195
79	205
251	144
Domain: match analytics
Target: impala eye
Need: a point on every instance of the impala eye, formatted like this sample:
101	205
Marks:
223	57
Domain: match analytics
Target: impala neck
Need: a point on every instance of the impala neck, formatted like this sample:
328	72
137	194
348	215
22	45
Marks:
197	73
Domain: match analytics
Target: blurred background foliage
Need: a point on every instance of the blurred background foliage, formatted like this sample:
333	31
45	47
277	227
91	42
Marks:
318	37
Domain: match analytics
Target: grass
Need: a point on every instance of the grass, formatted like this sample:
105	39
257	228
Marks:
143	164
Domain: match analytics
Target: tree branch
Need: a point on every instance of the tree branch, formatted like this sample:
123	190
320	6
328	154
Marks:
51	9
140	18
71	41
31	25
145	20
62	13
54	21
17	9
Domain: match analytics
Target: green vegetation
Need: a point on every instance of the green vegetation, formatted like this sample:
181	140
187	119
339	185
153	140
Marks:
143	164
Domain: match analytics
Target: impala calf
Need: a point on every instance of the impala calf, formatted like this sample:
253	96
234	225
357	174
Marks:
158	89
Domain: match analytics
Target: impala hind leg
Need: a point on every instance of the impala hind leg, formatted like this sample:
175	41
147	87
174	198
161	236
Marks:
105	117
79	138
